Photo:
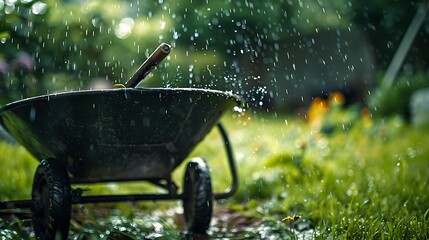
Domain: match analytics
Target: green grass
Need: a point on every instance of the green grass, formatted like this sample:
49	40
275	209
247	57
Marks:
350	178
17	168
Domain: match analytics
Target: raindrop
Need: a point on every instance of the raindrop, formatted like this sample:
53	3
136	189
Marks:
124	28
238	109
95	22
10	7
39	8
32	114
176	35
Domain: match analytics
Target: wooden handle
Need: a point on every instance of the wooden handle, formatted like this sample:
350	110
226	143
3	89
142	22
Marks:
154	59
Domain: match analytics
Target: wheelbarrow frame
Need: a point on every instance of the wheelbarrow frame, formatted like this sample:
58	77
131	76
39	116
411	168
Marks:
60	167
167	184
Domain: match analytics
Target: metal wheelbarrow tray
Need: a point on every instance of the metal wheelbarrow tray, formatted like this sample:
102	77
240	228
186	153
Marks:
114	135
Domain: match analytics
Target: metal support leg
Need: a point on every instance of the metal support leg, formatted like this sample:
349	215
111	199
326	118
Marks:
231	161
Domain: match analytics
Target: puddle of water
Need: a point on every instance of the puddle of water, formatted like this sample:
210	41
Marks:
106	223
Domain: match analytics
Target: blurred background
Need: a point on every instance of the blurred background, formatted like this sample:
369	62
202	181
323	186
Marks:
277	54
355	72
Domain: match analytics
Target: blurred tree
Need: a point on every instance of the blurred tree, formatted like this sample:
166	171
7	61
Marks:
386	22
65	44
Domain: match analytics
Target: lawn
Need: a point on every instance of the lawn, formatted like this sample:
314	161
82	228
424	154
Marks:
336	173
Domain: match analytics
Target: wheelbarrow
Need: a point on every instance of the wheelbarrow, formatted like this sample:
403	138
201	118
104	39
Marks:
118	135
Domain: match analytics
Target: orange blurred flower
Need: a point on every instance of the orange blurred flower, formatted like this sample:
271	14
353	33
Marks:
316	112
337	98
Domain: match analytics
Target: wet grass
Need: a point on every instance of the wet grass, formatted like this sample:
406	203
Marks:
336	174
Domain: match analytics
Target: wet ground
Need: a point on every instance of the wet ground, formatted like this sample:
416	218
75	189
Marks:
100	222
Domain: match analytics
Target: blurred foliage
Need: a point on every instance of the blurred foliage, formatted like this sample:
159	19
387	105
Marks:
395	100
385	22
49	46
69	43
18	167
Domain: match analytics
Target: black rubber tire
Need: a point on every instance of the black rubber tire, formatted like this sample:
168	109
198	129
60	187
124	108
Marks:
51	196
197	196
